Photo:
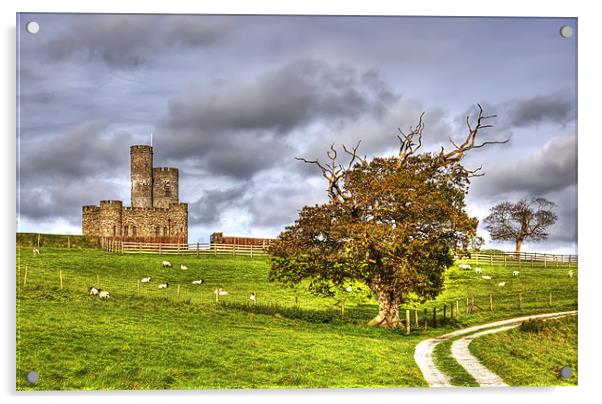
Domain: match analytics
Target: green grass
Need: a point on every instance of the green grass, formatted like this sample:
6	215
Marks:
161	341
524	358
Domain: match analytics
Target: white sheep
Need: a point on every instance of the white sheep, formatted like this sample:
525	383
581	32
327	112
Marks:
103	294
36	251
253	297
486	277
198	282
515	274
183	267
166	264
465	267
220	292
348	289
164	285
478	271
93	291
145	280
571	274
501	284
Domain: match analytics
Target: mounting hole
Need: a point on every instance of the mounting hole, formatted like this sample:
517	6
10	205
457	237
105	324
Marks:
566	372
32	27
566	31
32	376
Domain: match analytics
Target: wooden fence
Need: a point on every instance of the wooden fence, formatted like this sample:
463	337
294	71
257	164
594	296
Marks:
523	259
130	247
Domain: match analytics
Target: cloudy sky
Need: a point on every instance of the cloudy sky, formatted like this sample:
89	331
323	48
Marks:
232	100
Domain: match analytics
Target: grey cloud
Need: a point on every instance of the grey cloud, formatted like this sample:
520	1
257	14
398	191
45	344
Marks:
551	168
244	128
207	210
83	151
555	107
127	41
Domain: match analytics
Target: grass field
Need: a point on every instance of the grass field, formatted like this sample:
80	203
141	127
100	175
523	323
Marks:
290	339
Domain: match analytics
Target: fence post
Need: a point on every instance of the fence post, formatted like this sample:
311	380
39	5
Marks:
434	317
472	304
233	249
61	278
444	313
138	290
457	309
215	249
520	300
416	318
178	294
426	320
490	302
550	300
407	322
467	305
25	276
198	249
251	250
140	247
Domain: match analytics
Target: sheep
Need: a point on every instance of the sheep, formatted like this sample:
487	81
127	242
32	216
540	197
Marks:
348	289
166	264
103	294
486	277
36	251
465	267
145	280
183	267
220	292
478	271
198	282
501	284
515	274
164	285
93	291
571	274
253	297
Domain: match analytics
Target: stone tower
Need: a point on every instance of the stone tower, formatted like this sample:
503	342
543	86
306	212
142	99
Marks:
141	157
165	186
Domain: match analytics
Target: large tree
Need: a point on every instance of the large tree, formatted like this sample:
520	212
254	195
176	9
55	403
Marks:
390	223
527	219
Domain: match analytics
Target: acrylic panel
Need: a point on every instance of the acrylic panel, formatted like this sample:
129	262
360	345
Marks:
254	202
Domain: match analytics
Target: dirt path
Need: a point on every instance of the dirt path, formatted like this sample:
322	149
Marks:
423	354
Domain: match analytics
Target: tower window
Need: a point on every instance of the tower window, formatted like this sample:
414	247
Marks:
167	190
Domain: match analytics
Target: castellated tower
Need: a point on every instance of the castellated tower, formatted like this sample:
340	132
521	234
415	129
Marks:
141	171
156	213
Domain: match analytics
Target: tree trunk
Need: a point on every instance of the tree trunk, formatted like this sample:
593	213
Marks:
517	248
388	312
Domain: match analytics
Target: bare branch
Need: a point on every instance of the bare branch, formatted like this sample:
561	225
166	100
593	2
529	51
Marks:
411	142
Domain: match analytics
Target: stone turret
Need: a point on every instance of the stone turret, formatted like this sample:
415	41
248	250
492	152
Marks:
165	186
141	157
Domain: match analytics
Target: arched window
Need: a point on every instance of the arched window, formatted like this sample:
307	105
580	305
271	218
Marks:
165	231
157	231
114	231
125	231
167	189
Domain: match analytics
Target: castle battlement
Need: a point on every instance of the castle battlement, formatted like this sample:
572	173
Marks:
155	210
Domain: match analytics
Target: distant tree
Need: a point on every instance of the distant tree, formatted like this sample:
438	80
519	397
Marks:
527	219
391	223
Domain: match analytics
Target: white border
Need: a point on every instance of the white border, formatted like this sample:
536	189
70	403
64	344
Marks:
589	220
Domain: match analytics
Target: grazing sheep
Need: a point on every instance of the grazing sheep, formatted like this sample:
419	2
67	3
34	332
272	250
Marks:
183	267
220	292
571	274
253	297
486	277
198	282
36	251
465	267
103	294
501	284
515	274
166	264
164	285
145	280
93	291
478	271
348	289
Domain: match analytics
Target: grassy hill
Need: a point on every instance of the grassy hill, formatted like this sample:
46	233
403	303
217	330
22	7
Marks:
150	338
